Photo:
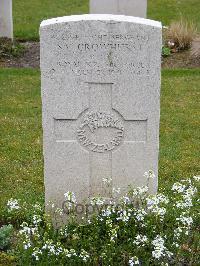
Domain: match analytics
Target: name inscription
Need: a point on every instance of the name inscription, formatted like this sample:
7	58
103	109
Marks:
102	46
88	130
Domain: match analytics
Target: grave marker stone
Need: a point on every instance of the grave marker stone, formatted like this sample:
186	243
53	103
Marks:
136	8
6	20
101	96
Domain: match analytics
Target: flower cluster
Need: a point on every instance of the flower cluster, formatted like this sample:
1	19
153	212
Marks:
69	203
30	235
149	176
159	249
97	201
133	261
197	178
140	215
186	191
154	204
124	215
13	204
132	228
140	240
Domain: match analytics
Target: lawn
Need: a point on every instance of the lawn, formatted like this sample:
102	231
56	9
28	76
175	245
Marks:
21	154
21	132
27	17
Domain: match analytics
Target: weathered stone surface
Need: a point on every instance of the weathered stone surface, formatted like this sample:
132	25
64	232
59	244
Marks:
6	20
136	8
100	95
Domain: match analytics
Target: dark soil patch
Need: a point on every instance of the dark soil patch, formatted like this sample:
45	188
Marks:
31	57
184	59
181	60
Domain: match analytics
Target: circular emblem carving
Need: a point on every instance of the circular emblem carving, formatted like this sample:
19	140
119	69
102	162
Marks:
100	132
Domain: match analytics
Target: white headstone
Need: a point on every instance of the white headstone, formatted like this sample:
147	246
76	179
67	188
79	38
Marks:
6	20
101	103
136	8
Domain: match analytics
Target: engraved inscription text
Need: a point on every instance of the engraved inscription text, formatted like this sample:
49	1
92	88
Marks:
94	121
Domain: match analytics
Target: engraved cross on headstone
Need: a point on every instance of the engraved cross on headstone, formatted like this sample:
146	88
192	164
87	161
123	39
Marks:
100	130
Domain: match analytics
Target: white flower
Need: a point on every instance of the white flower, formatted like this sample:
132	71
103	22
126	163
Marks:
139	191
175	244
177	232
53	249
185	220
159	249
187	203
142	190
27	245
190	191
133	261
36	253
124	215
140	215
106	213
107	180
158	241
70	196
187	197
158	211
134	192
116	190
64	231
113	234
170	44
84	255
163	199
58	251
13	204
157	253
149	175
196	178
155	200
36	219
140	240
27	231
125	199
60	211
73	252
38	207
70	201
178	187
97	201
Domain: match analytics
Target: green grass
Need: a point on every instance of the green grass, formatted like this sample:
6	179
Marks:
170	10
21	132
29	14
179	128
20	142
